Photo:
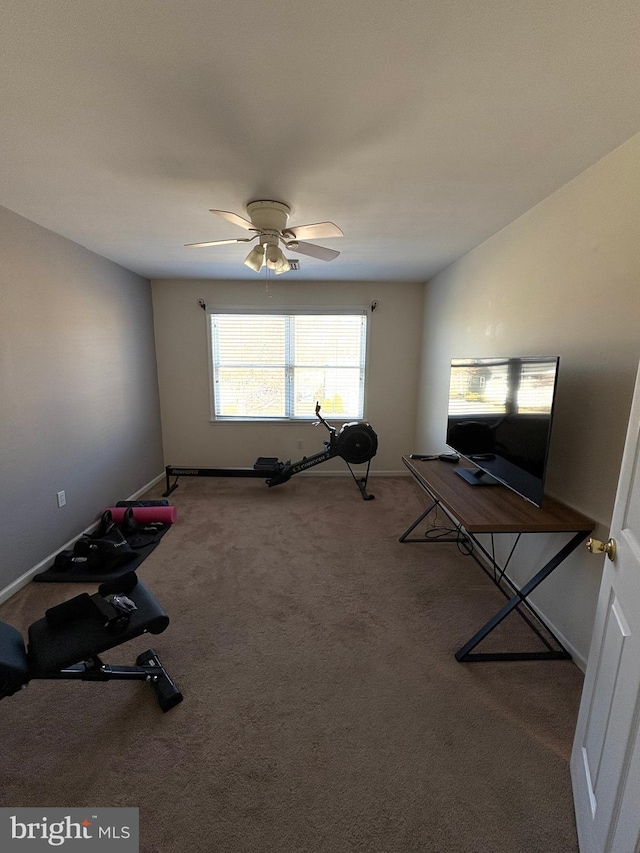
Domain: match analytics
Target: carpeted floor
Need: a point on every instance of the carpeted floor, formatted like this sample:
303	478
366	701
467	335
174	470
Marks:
324	711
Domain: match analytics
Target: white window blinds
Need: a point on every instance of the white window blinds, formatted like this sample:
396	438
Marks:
277	365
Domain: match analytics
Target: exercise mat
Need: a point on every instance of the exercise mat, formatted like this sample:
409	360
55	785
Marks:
67	568
158	502
146	514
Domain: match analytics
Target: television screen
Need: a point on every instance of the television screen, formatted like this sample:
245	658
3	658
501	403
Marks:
500	415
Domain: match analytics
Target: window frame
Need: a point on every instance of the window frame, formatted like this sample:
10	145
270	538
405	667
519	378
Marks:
286	311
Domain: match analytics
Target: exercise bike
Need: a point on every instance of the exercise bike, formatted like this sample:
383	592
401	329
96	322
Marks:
355	442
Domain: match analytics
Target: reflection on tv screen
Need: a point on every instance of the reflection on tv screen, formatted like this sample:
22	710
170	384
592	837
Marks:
500	412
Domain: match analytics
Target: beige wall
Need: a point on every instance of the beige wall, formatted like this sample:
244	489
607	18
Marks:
395	329
564	279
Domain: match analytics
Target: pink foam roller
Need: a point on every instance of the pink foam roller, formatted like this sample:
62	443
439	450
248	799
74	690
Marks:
146	514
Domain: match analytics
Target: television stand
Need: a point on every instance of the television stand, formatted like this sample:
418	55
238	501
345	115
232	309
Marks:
498	511
477	477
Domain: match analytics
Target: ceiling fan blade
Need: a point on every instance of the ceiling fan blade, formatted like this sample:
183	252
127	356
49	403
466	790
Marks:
218	243
317	231
235	218
313	251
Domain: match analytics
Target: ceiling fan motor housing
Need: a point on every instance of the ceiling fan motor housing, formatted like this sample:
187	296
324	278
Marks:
269	215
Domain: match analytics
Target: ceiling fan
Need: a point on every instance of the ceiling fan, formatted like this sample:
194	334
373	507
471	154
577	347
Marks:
268	219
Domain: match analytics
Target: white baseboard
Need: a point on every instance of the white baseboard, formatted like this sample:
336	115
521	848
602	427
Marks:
150	485
45	564
578	659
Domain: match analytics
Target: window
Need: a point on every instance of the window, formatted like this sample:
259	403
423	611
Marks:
275	366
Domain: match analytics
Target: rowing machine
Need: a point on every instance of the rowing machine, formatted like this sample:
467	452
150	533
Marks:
355	442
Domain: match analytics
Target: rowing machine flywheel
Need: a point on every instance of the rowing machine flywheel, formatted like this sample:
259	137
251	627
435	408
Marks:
356	442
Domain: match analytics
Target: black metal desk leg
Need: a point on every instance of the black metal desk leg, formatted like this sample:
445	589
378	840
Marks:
417	522
464	653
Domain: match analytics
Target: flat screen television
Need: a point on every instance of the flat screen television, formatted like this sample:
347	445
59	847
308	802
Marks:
500	416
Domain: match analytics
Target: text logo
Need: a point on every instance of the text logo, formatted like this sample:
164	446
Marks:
99	829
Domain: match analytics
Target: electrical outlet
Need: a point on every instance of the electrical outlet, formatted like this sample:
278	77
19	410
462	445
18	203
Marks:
62	499
300	444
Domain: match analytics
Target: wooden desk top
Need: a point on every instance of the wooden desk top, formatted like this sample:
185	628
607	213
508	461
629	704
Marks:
493	509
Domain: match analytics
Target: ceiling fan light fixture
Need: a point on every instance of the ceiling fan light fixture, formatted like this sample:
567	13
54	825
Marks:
276	260
255	258
284	266
273	256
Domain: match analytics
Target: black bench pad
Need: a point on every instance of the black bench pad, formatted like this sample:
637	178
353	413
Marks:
83	637
13	657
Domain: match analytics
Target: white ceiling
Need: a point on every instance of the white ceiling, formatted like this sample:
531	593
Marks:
420	127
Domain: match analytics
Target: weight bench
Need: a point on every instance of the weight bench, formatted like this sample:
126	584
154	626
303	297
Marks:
67	642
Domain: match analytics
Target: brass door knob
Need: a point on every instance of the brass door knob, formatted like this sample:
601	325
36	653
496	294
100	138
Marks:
598	547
